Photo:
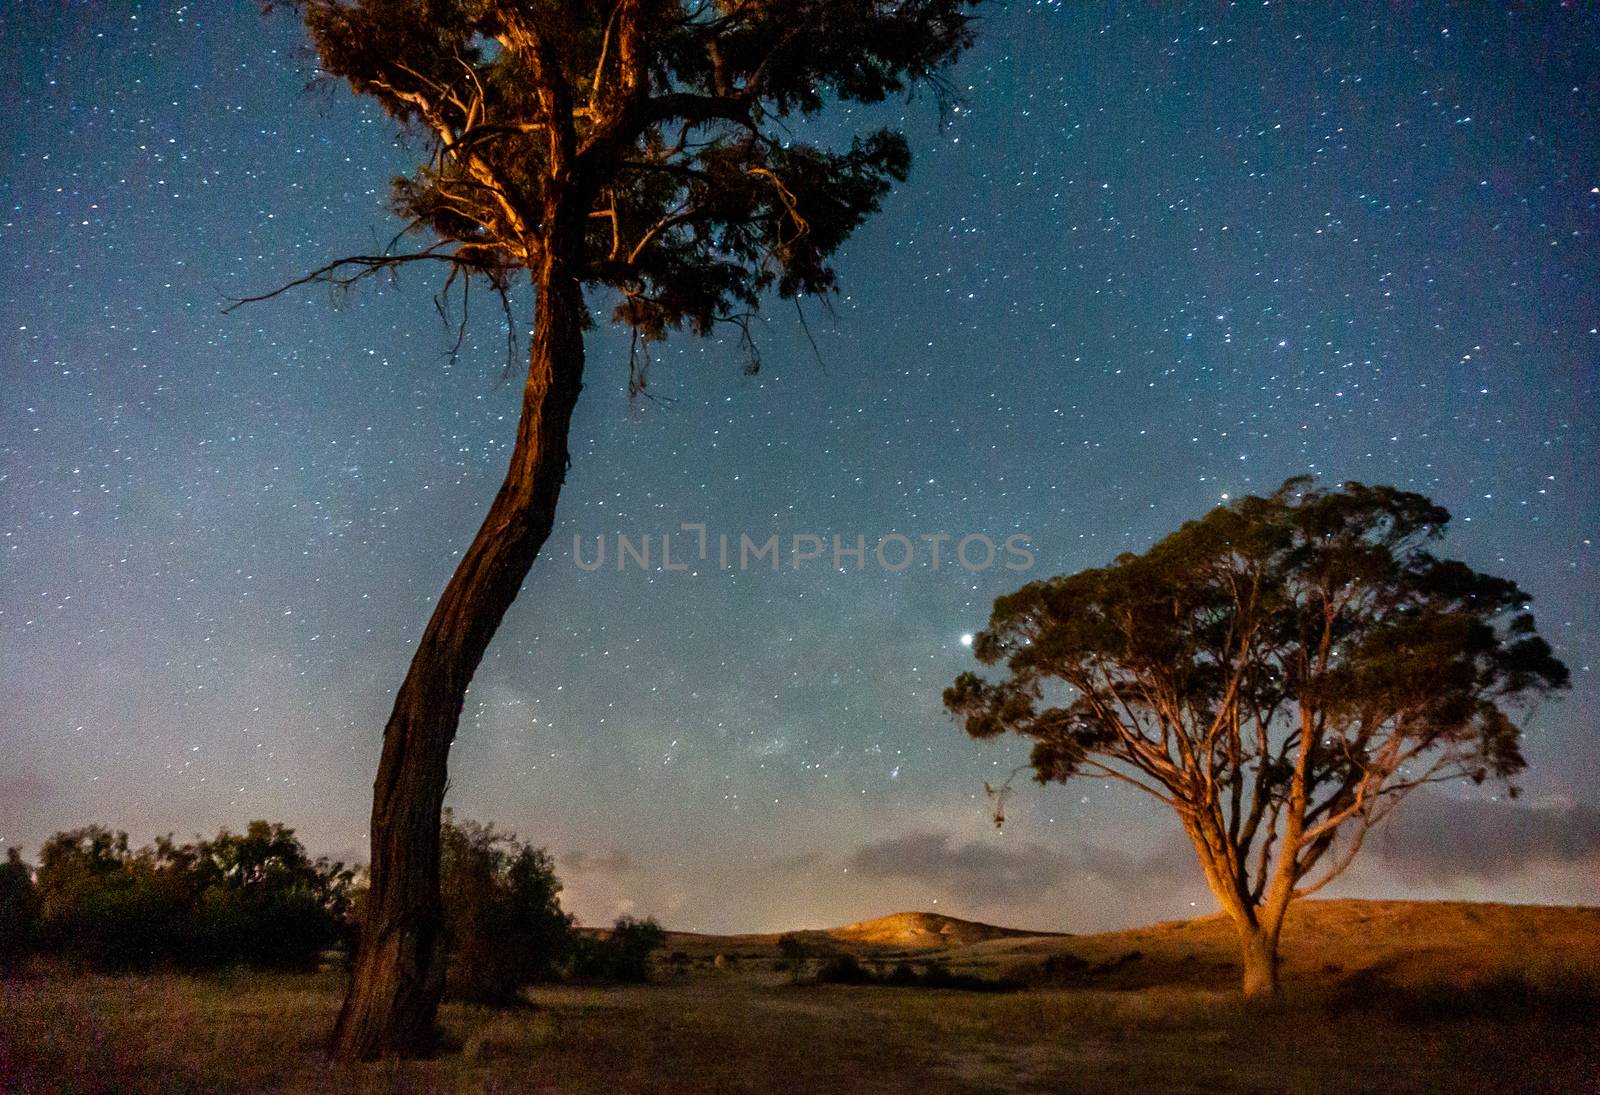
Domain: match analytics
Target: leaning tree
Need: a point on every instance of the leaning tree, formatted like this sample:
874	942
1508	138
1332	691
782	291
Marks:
1279	673
650	150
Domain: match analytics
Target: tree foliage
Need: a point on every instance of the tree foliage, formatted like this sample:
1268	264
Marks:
655	143
1281	673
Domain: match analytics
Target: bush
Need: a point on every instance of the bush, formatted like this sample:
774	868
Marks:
846	969
1061	969
843	969
793	952
1555	998
620	955
265	902
903	975
503	921
935	976
254	898
19	913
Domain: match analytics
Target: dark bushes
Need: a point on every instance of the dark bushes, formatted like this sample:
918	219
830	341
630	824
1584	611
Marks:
846	969
1069	969
257	899
254	898
19	912
264	902
1553	999
935	976
621	954
793	954
1061	968
503	917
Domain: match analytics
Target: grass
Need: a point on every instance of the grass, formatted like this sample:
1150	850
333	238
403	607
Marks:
1380	1022
713	1033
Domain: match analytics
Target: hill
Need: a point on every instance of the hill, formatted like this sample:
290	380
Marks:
930	930
881	937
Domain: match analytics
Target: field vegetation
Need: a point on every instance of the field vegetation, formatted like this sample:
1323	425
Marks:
1378	996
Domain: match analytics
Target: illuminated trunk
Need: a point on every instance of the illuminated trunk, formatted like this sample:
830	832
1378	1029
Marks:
1257	927
1259	949
399	971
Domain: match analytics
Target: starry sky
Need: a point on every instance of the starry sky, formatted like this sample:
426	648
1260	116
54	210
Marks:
1161	255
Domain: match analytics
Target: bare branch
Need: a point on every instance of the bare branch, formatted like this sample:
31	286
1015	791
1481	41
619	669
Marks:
364	266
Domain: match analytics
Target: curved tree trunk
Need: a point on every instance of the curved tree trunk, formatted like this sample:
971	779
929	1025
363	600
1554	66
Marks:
399	973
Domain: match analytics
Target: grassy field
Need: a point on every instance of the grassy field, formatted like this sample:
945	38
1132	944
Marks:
1382	997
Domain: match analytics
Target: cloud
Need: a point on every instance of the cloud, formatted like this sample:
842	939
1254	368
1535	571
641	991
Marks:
22	797
611	861
1022	872
1172	864
999	873
1441	840
798	861
1432	839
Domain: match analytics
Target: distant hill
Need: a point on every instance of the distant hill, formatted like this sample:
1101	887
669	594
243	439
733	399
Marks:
921	929
1400	940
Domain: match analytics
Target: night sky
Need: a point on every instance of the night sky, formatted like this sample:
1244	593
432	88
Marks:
1158	258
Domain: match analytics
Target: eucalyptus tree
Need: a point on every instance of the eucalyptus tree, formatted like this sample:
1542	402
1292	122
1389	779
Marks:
1280	674
649	151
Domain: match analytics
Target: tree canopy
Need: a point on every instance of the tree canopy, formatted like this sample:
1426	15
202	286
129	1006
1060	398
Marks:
650	139
1281	673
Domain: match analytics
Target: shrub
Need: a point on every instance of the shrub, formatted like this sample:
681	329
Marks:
903	975
1554	998
503	920
104	905
254	898
1060	968
793	951
846	969
19	912
935	976
843	969
621	954
263	901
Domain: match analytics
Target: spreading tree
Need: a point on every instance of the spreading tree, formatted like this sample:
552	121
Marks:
649	150
1280	673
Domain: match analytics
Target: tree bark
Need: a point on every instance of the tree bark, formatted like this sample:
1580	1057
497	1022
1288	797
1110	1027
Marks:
399	973
1258	946
1258	928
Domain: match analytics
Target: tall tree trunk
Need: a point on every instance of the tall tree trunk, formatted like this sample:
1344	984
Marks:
399	973
1258	946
